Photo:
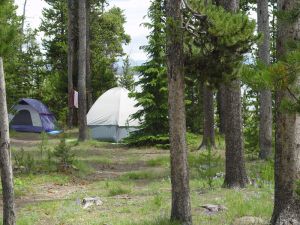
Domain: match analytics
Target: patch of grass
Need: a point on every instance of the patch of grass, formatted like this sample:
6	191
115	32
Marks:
160	161
220	141
138	175
25	184
261	172
143	175
248	203
119	190
104	161
149	189
132	159
82	167
206	166
94	144
158	221
158	200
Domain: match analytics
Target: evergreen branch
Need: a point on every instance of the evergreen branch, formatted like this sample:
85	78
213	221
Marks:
194	12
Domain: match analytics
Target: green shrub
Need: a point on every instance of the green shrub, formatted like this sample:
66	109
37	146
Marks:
118	190
160	161
24	161
208	165
43	147
158	200
64	155
262	172
267	171
160	141
192	140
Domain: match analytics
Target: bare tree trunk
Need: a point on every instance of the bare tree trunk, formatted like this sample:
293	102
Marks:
88	59
287	139
181	206
265	123
235	171
208	123
72	28
9	217
24	16
221	108
83	133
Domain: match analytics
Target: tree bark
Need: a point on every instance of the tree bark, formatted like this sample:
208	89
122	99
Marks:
9	216
235	171
181	206
265	123
221	108
230	5
287	138
88	59
82	71
71	58
208	122
24	16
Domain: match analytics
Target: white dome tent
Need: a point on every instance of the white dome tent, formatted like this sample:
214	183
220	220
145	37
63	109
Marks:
110	116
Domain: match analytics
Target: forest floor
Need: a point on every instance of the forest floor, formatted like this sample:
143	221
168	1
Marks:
133	184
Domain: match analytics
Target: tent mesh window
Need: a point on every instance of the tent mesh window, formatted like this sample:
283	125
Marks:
23	117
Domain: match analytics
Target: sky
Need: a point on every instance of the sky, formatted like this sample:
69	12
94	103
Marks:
134	10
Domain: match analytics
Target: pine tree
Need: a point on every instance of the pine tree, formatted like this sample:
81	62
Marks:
10	25
107	39
287	161
54	26
10	41
235	171
126	79
153	77
30	67
72	57
221	52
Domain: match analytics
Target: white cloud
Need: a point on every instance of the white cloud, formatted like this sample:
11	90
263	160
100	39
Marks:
33	11
134	10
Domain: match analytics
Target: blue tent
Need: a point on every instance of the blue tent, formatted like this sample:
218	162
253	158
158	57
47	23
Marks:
31	115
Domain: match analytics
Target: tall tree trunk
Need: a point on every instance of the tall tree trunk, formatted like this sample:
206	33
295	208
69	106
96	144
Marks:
72	28
181	206
24	16
221	108
83	133
9	216
208	122
235	171
88	58
265	123
287	140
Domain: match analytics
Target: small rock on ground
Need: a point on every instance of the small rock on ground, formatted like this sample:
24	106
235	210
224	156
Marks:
87	202
213	209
